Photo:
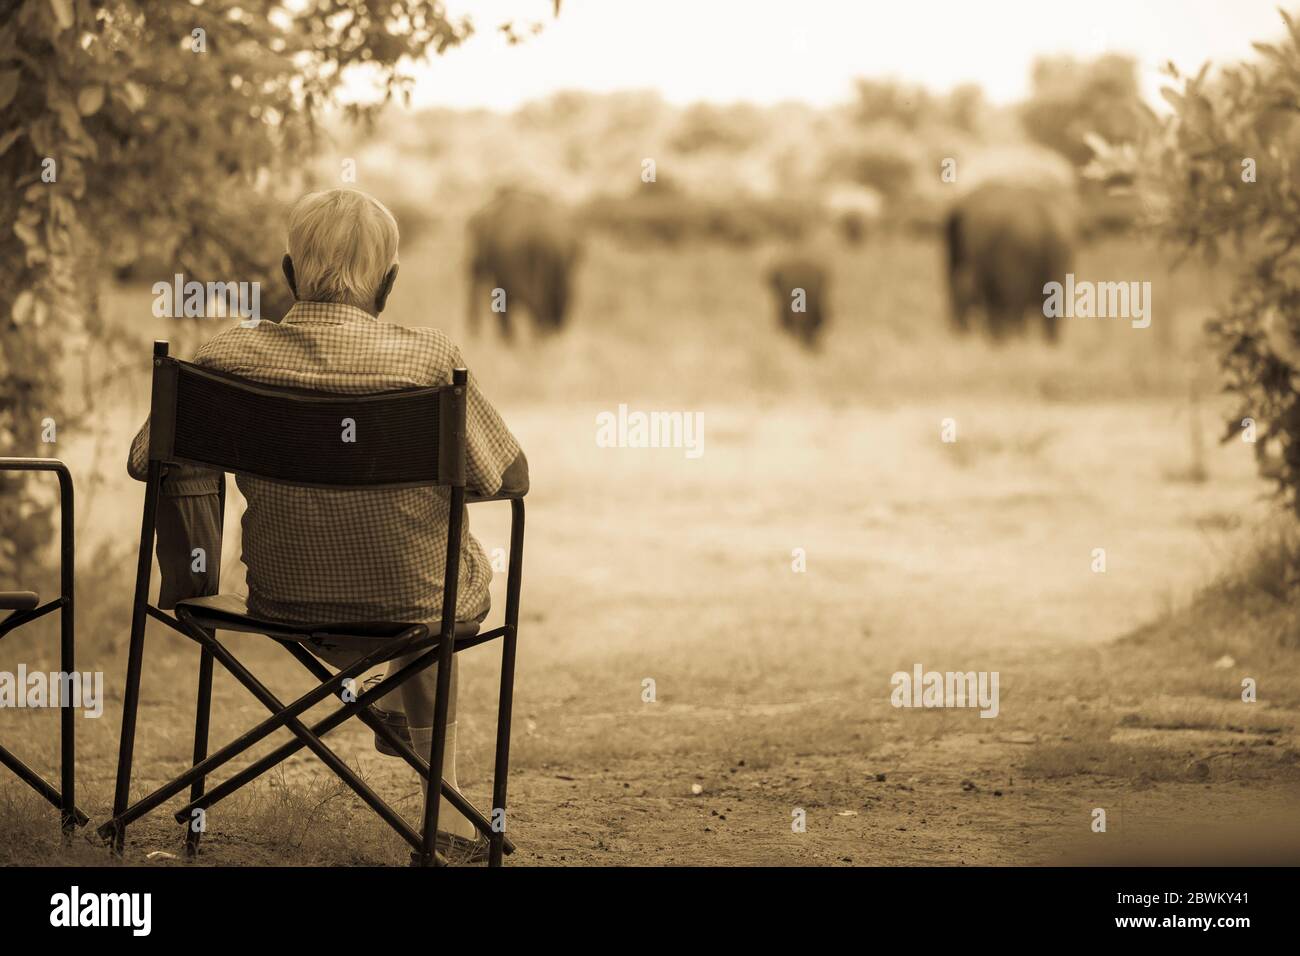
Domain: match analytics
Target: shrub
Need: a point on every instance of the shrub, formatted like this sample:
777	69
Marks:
1225	168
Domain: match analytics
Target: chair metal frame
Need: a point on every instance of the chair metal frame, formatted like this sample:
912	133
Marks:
438	649
65	797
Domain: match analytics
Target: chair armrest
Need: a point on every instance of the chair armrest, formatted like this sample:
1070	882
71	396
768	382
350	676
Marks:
67	554
34	464
18	600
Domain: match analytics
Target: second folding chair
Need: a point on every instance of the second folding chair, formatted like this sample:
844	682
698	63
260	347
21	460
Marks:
25	607
408	438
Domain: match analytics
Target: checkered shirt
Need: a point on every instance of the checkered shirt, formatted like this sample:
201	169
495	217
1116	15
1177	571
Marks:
318	554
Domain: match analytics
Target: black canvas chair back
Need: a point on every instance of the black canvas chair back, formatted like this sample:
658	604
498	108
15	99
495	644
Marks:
25	607
413	437
383	440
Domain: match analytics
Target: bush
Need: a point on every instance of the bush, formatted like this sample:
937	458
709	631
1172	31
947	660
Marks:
880	163
1225	168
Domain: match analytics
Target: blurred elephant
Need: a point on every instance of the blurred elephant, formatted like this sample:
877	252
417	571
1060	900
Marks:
1005	243
527	246
802	289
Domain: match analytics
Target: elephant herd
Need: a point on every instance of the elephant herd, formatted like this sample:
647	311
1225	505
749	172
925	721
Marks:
1004	242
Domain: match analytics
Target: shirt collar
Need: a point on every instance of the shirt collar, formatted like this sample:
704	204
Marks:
328	312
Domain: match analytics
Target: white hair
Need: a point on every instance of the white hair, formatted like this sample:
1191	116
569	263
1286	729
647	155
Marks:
342	243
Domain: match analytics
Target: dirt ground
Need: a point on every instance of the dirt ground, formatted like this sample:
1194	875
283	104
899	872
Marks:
772	686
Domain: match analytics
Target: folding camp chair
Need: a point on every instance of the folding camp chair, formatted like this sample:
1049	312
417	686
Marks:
407	438
26	607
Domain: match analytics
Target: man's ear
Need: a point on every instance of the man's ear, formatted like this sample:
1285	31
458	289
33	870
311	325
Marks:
385	287
287	265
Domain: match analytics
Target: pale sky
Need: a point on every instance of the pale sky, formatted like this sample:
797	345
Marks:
765	51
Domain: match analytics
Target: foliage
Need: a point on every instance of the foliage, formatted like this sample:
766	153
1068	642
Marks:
729	129
1224	168
887	164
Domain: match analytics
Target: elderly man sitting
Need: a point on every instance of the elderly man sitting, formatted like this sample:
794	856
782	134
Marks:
355	555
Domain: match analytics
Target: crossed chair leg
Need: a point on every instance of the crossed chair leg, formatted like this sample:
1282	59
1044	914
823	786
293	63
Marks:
287	716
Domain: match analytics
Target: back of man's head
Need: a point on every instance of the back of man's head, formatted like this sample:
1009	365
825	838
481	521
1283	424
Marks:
343	244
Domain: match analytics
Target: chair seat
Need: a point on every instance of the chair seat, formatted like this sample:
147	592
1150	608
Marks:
229	612
18	600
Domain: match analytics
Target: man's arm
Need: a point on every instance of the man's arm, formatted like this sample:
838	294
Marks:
494	461
177	479
137	462
515	479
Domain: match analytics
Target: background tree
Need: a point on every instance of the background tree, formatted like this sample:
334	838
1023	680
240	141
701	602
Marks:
1070	99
